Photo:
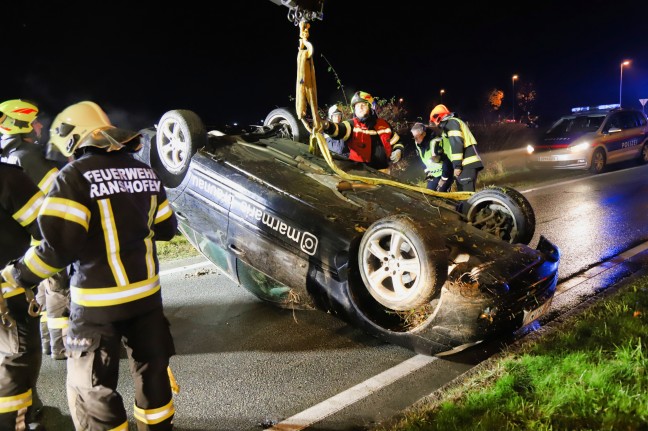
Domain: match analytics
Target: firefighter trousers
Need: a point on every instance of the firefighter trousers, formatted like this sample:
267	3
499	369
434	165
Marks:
467	180
93	369
20	363
57	303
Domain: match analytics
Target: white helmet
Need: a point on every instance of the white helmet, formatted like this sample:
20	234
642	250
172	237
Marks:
333	110
74	123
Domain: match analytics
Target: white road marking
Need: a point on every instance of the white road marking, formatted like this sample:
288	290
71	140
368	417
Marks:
352	395
185	268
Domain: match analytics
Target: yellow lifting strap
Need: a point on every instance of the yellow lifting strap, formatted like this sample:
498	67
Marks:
306	96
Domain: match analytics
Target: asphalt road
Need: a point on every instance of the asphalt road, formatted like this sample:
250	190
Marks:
245	365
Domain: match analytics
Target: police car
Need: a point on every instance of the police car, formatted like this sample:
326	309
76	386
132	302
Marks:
592	138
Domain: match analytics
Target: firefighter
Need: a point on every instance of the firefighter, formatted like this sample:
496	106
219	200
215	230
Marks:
337	146
20	133
369	139
20	352
465	159
104	214
438	167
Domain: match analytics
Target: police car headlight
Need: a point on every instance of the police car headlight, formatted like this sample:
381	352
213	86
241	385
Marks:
530	149
579	147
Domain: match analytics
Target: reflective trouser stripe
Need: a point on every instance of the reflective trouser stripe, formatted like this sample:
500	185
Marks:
58	322
16	402
43	317
154	416
122	427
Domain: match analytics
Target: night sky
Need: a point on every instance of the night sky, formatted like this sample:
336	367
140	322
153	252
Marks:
235	61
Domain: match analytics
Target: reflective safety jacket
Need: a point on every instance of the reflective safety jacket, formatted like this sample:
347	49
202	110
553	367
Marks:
462	143
103	215
17	151
370	141
429	148
20	201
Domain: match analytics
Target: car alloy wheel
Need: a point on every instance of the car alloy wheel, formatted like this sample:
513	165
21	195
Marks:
403	264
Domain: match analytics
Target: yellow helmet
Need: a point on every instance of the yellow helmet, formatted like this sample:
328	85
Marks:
75	123
362	96
19	116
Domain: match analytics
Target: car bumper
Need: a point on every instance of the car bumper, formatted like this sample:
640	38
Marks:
464	315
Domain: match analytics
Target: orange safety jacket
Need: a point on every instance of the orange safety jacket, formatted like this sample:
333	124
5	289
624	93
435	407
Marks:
370	142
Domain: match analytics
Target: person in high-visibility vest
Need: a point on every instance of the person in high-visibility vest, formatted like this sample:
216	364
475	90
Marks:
438	168
20	352
19	140
464	156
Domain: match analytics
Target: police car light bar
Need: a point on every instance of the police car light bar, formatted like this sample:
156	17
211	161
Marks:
595	108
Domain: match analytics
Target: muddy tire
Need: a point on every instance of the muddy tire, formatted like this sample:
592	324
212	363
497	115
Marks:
402	262
503	212
292	129
179	135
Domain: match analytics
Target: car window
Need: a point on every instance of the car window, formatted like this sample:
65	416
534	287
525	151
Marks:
641	119
584	123
627	120
613	122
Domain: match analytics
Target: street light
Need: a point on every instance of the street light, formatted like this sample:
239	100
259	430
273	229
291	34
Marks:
625	63
513	90
441	93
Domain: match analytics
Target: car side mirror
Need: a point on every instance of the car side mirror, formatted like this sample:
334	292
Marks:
613	130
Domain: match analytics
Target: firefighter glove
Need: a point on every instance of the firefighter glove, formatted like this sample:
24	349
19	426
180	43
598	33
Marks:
440	185
8	275
396	155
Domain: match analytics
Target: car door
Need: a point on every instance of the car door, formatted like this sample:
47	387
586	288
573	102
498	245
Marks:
284	223
622	136
203	209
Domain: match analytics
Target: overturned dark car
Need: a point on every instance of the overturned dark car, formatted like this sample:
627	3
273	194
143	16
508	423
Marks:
422	271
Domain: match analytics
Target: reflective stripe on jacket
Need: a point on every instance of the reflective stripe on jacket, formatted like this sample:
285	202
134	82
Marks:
20	201
103	215
364	138
462	143
429	148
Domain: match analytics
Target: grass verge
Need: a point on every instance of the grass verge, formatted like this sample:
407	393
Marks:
589	374
177	248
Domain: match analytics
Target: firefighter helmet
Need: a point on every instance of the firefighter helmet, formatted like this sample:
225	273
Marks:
109	138
74	123
361	96
438	113
333	110
19	116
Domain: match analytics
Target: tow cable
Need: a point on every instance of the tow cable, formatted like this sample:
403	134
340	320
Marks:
306	96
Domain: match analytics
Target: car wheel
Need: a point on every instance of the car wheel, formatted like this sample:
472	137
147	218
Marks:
292	129
179	135
598	161
643	158
403	263
503	212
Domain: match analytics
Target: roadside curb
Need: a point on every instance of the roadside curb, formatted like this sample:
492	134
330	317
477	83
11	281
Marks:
445	393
